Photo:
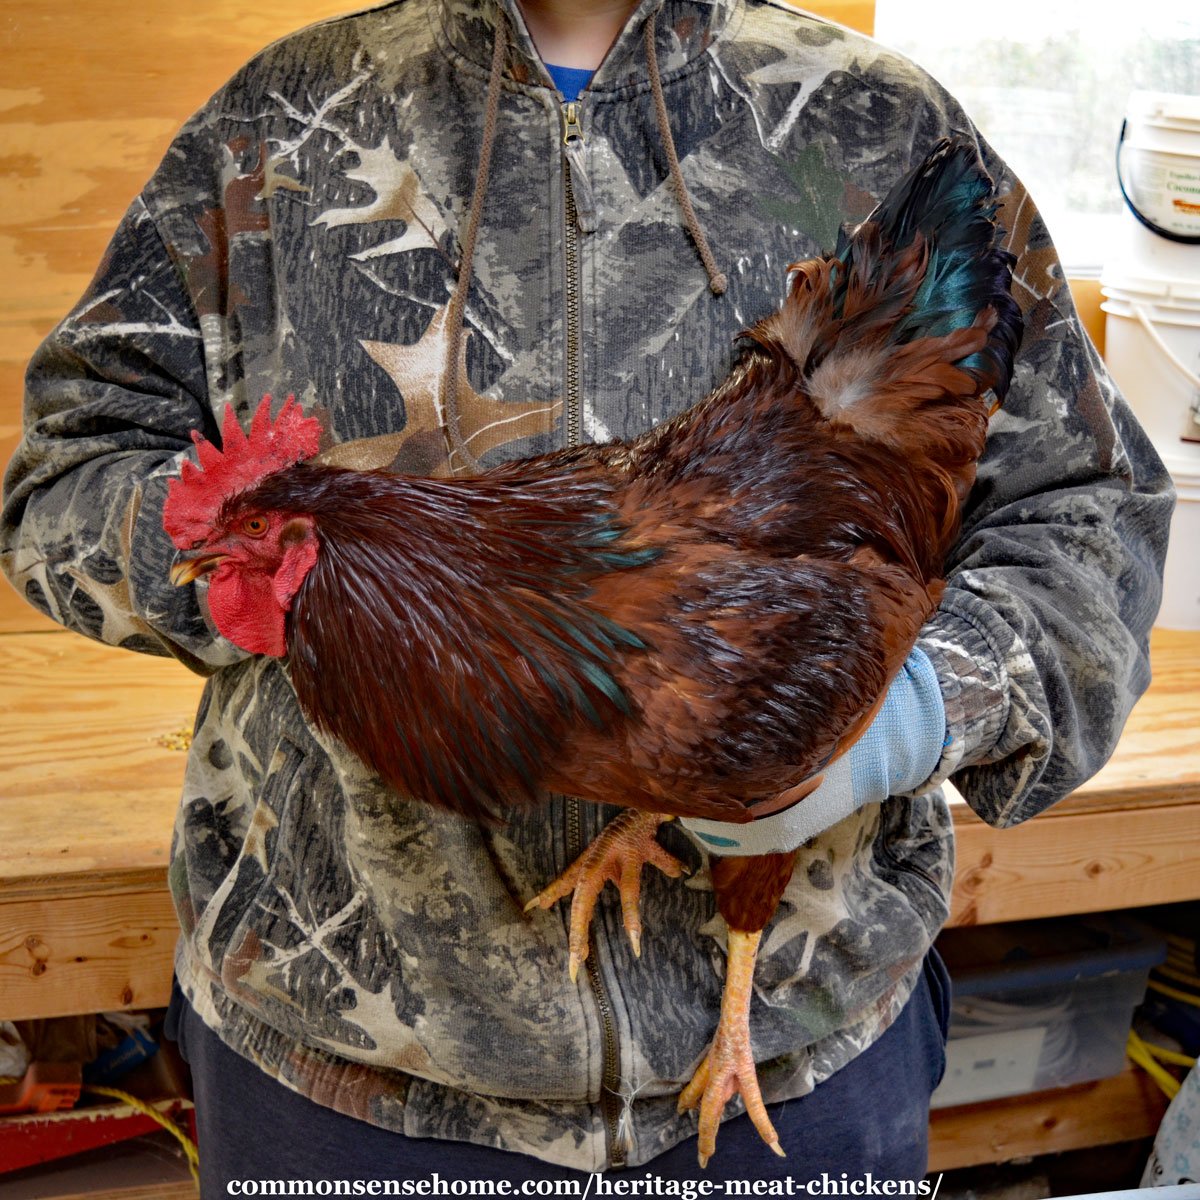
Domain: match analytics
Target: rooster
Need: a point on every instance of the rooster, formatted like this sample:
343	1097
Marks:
692	623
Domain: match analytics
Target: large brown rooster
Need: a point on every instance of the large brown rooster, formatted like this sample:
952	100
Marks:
694	623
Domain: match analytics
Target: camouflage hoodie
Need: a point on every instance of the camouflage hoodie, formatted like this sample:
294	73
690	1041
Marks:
302	235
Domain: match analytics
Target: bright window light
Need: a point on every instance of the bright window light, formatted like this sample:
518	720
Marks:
1047	84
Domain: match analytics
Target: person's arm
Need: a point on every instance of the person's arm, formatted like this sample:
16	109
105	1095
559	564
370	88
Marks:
1040	643
112	396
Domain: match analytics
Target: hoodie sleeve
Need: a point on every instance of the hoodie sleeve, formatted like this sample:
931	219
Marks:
111	398
1041	640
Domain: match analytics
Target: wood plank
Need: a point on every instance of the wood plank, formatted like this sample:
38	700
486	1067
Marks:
89	742
1086	294
1122	1109
117	788
1004	890
855	14
1092	862
69	955
87	110
1105	857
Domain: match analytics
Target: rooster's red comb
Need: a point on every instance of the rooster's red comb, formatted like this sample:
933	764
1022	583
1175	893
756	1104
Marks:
244	460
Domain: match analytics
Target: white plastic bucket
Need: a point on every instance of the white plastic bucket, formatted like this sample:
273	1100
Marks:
1152	323
1152	307
1158	165
1181	580
1152	347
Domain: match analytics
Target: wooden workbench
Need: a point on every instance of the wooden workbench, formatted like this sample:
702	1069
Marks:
1088	853
90	768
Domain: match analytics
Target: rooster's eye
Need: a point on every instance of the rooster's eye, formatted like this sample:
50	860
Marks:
255	526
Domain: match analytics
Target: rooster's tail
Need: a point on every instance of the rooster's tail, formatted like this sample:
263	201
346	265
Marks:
901	332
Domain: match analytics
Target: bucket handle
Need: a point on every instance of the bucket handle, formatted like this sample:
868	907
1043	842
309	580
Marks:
1184	239
1166	350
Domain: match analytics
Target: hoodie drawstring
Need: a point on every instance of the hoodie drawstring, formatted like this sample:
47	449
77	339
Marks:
717	281
458	302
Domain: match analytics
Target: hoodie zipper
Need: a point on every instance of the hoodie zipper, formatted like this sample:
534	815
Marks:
574	181
572	144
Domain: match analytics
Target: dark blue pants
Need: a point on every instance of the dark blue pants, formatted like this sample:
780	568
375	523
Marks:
871	1116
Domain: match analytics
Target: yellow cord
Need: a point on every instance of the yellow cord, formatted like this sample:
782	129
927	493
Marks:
1174	993
1177	974
1141	1054
1170	1056
190	1150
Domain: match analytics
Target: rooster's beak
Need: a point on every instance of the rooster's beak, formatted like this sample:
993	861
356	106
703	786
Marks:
187	570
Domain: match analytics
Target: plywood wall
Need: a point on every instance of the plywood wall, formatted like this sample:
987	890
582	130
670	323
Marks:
91	95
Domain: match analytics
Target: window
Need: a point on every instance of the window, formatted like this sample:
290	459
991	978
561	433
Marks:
1047	83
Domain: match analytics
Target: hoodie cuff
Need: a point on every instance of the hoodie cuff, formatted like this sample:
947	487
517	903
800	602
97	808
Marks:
781	832
974	687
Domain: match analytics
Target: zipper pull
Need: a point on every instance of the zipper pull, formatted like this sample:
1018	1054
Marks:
581	187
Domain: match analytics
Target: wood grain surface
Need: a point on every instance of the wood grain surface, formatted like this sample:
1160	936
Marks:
89	788
81	954
1054	865
1160	748
89	781
1098	860
1121	1109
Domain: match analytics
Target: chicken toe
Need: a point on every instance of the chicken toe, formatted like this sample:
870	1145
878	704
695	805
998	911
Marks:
728	1068
626	844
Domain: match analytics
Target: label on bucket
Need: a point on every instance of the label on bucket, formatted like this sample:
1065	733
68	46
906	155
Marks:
1166	188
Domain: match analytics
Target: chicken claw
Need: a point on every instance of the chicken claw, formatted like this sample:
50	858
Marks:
729	1065
625	845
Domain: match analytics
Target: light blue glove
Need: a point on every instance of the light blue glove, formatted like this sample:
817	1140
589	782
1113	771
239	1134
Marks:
896	754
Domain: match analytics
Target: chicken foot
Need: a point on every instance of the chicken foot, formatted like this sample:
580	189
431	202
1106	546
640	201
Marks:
624	846
729	1065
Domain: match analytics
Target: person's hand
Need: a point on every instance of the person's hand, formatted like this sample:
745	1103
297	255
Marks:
896	754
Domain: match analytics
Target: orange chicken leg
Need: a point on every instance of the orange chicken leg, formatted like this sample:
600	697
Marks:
747	892
729	1065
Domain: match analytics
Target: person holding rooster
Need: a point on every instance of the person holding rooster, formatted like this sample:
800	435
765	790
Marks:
457	256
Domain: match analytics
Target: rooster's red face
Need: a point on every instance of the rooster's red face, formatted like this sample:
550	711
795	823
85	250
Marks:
255	563
255	560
